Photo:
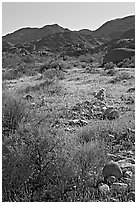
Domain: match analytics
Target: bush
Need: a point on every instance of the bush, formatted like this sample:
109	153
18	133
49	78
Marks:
28	59
10	75
109	65
33	168
13	110
111	72
121	76
85	58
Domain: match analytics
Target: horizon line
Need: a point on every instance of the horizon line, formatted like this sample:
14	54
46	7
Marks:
3	35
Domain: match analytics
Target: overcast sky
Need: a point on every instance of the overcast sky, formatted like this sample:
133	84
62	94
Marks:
72	15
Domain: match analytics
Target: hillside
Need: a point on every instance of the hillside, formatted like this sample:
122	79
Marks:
30	34
115	28
109	30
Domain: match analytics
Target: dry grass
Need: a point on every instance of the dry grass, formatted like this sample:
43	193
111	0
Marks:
44	159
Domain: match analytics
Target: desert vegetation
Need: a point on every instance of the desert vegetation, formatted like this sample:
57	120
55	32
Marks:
57	136
68	119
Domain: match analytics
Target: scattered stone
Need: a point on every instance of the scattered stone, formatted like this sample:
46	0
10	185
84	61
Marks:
111	136
132	89
119	187
112	169
111	156
128	174
131	196
125	164
104	189
28	97
114	200
79	122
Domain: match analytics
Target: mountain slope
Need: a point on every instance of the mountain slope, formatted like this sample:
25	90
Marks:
56	38
31	34
115	28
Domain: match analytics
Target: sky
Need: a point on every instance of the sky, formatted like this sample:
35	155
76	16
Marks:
71	15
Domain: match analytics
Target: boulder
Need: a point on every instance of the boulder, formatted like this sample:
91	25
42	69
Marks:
118	54
110	113
112	169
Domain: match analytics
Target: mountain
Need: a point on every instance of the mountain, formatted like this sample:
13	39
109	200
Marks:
115	28
20	36
25	35
68	42
56	38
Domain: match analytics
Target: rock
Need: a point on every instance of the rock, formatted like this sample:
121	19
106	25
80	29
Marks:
111	179
128	174
119	187
28	97
104	189
111	136
114	200
79	122
110	113
132	89
112	169
118	54
131	196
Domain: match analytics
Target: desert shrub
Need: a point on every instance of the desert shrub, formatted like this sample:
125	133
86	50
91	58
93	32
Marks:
127	63
28	59
34	168
50	74
9	59
64	66
44	67
121	76
109	65
85	136
12	74
89	160
85	58
55	88
13	110
98	57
